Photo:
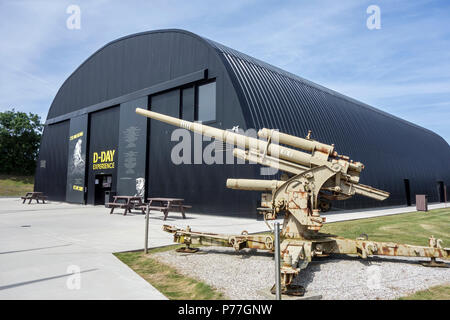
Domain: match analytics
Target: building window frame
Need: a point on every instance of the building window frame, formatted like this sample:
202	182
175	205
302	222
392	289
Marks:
197	96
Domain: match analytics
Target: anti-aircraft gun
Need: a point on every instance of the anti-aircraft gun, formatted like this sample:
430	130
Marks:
317	172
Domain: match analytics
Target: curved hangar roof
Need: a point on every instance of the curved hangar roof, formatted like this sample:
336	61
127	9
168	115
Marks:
391	148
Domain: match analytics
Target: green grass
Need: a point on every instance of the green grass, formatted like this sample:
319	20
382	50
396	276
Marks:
410	228
12	185
167	279
434	293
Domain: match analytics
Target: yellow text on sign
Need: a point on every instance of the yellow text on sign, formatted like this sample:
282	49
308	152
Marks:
79	134
104	156
103	159
78	188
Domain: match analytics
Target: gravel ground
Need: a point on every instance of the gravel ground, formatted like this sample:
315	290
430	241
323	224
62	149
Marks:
249	274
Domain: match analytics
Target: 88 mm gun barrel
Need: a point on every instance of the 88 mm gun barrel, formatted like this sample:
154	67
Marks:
233	138
250	143
297	142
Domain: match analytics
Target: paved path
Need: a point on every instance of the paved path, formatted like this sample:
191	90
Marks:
335	216
42	244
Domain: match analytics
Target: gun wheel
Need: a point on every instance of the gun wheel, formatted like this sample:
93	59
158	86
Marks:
324	205
269	243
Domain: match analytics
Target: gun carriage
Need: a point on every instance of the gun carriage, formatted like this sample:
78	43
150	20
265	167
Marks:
315	174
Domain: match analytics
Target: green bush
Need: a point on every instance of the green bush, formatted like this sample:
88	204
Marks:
20	136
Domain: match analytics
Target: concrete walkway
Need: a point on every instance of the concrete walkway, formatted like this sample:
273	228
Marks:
345	215
41	245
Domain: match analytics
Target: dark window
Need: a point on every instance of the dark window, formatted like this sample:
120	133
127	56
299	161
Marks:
207	102
407	192
187	104
441	192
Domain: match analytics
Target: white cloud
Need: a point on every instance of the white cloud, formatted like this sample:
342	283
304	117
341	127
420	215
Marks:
326	42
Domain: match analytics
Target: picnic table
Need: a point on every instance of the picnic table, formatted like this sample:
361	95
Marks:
34	195
167	204
127	203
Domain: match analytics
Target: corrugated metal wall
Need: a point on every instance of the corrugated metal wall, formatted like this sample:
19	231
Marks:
52	161
392	149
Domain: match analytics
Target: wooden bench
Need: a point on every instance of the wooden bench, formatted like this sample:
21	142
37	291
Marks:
34	195
130	202
142	207
172	207
127	208
113	205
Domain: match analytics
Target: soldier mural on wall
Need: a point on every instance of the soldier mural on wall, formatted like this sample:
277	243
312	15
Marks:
78	162
140	187
76	169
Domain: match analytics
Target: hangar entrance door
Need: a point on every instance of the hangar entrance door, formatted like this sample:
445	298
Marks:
103	183
103	153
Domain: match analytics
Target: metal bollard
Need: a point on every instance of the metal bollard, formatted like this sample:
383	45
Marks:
146	230
277	260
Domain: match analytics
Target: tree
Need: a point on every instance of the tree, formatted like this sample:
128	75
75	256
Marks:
20	136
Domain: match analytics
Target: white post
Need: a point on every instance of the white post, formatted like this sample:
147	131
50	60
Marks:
146	230
277	260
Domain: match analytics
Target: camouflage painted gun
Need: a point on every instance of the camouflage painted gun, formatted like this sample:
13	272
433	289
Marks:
314	176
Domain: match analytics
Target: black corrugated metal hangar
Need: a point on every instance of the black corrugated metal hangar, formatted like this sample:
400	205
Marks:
94	142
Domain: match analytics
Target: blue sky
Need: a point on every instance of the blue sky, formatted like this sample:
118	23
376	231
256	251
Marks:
402	68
